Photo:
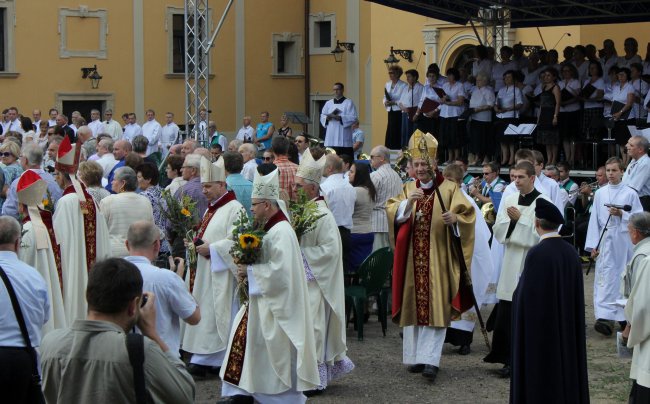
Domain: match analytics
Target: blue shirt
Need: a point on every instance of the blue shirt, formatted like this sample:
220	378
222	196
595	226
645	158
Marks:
262	130
10	207
242	188
119	164
173	300
31	292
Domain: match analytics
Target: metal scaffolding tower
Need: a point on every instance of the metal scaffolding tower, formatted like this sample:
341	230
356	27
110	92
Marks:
495	20
197	67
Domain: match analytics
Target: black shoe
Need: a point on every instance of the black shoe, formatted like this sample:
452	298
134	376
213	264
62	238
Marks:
464	350
312	393
236	399
416	368
504	372
430	372
214	370
604	327
199	371
622	324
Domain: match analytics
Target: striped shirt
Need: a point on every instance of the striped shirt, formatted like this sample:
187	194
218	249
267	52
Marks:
286	173
388	184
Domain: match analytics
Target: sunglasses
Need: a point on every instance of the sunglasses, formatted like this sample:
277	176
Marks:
268	158
7	154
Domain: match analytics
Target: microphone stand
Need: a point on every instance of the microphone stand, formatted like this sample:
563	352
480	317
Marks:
591	260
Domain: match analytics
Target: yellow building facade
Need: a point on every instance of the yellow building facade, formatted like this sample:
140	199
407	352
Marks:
271	55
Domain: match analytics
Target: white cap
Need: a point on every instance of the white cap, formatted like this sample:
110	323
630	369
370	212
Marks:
310	169
266	186
212	172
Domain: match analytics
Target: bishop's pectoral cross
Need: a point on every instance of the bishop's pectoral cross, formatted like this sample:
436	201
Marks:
419	215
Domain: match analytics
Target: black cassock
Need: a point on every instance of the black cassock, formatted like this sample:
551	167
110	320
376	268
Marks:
549	355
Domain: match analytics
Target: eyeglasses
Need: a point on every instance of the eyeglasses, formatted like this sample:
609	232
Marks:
256	203
6	154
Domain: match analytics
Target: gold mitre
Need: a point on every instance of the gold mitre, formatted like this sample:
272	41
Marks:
423	145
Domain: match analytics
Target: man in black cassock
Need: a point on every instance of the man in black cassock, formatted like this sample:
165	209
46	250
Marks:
549	355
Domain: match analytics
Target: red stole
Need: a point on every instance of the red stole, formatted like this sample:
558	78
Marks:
235	361
46	216
212	209
90	224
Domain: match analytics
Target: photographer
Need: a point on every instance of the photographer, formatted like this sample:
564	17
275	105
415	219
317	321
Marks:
89	361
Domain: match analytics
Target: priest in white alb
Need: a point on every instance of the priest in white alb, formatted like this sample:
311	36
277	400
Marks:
212	285
80	229
271	352
38	247
337	117
322	250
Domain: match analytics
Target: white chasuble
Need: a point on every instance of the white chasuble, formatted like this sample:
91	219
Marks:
72	234
517	244
323	252
636	312
213	291
276	323
615	248
45	263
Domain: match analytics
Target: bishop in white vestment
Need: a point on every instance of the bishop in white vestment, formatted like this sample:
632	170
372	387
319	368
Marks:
212	286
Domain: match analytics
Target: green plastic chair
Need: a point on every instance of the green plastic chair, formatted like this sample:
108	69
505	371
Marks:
373	273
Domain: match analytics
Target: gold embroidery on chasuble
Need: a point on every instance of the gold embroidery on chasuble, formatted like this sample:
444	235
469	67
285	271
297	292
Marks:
421	260
235	362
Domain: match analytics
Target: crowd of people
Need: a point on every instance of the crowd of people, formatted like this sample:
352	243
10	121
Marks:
573	102
90	248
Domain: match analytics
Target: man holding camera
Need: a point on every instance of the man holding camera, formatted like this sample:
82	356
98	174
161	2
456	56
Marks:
90	361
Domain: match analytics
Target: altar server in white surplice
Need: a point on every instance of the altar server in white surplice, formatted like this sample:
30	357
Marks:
212	286
337	117
615	250
322	249
271	353
80	229
38	247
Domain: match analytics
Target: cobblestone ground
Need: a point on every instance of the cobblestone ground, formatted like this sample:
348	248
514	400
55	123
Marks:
380	377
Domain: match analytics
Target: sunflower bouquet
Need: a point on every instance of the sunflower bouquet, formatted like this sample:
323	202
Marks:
47	202
304	214
182	220
246	249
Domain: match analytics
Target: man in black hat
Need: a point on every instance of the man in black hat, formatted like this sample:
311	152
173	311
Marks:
549	359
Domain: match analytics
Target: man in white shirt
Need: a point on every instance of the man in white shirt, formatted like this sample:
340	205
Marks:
248	152
302	143
14	122
169	133
637	173
173	300
387	184
106	158
132	129
95	125
340	197
151	130
246	132
111	126
36	119
53	113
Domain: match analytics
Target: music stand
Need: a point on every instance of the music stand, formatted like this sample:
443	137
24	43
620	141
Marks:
298	117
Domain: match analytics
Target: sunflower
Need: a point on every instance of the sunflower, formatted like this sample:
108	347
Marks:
185	212
46	202
248	240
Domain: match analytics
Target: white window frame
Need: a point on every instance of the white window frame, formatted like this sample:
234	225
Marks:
313	20
298	54
10	45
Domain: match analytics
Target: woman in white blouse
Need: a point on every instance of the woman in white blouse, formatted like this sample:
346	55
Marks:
509	101
482	64
452	131
428	121
124	208
409	104
622	93
499	69
393	91
569	119
481	136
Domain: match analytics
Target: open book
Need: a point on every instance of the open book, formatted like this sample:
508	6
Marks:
525	129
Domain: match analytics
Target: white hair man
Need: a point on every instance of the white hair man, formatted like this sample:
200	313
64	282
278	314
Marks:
388	184
31	158
246	132
248	151
173	301
106	158
637	173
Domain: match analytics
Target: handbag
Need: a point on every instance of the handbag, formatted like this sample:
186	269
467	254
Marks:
35	394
